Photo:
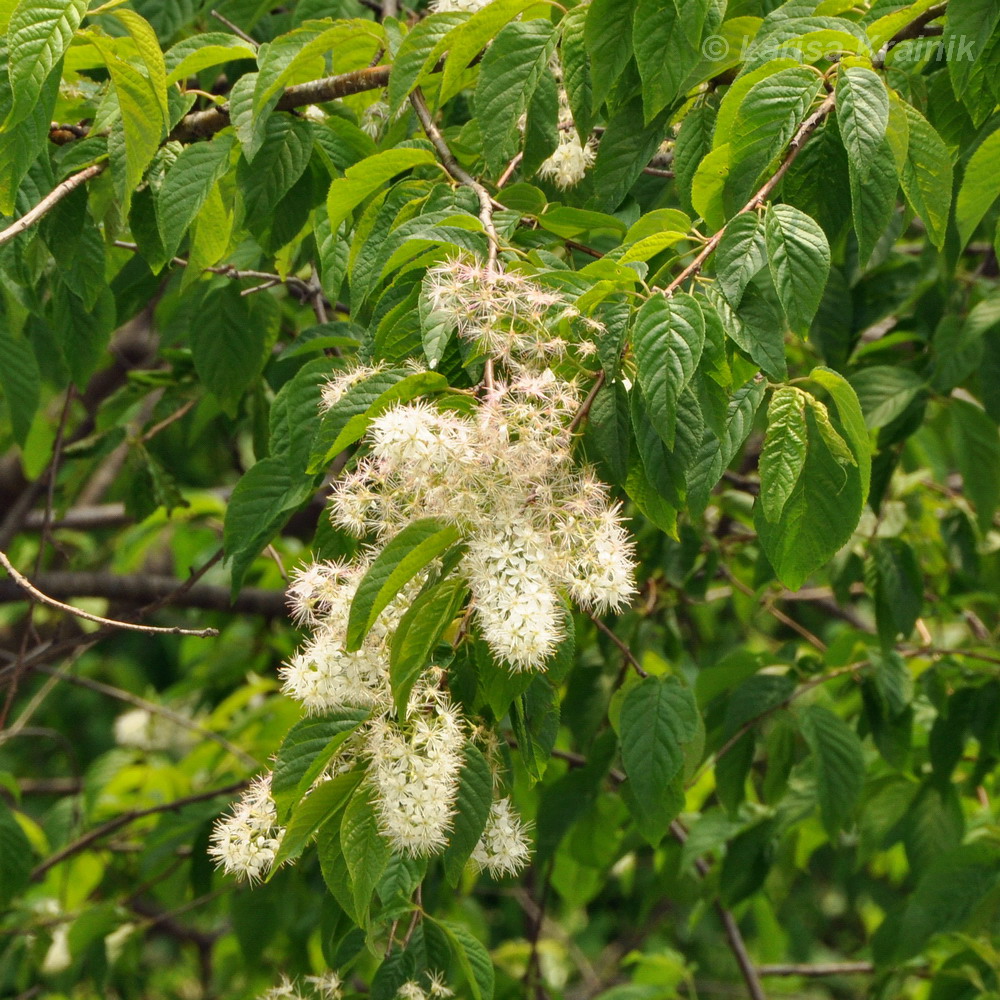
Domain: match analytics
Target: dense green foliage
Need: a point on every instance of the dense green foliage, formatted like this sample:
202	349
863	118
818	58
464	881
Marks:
772	230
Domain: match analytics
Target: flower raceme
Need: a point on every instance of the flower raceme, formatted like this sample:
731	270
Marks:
538	530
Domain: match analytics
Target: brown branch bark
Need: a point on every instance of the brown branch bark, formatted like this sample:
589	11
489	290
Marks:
143	588
49	202
204	124
817	970
26	585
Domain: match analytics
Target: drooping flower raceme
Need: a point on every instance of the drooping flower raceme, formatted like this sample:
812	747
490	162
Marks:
246	842
503	848
538	531
415	775
568	164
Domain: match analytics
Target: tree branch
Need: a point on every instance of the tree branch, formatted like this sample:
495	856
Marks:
204	124
92	836
733	935
50	201
817	970
141	588
25	584
463	177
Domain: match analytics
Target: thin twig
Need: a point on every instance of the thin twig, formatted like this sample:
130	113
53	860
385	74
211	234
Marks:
463	177
180	412
92	836
509	172
793	149
776	613
623	646
235	29
119	694
26	585
817	970
50	201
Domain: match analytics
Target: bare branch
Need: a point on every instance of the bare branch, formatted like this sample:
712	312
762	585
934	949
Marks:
817	970
50	201
235	29
25	584
141	588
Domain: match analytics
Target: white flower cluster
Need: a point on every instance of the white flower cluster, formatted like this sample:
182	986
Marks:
503	848
415	774
142	730
330	986
323	675
246	842
536	526
568	165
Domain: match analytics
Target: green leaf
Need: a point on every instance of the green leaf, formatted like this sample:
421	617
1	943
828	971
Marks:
968	29
852	421
977	452
576	69
417	53
306	750
862	115
348	420
418	632
38	34
15	857
658	718
980	187
608	36
142	119
714	455
282	58
766	120
472	807
472	957
944	900
664	52
366	177
783	456
509	73
668	338
607	435
280	161
21	383
366	851
898	589
409	552
24	141
148	48
799	258
840	764
624	151
926	176
741	253
873	197
320	806
232	340
258	507
212	48
818	516
187	184
83	333
466	41
884	392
